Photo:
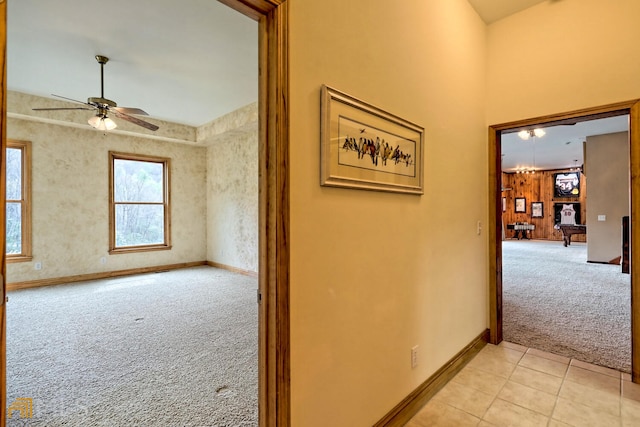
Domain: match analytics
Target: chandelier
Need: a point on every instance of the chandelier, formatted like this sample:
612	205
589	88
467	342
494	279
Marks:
525	134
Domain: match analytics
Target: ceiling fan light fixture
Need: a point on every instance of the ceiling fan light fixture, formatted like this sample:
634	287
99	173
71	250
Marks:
530	133
524	134
102	122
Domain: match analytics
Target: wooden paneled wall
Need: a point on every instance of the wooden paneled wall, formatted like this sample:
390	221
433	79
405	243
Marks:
538	187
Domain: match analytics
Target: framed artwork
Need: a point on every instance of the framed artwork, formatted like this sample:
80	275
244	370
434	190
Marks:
566	214
537	210
504	204
521	205
566	184
364	147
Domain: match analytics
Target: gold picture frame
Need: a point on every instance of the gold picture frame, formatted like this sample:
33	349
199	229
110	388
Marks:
364	147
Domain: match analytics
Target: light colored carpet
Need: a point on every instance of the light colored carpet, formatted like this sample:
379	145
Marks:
553	300
177	348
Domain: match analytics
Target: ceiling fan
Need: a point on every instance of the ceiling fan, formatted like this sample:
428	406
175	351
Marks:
104	107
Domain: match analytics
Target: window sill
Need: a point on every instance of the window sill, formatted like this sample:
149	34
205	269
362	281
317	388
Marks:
18	258
135	249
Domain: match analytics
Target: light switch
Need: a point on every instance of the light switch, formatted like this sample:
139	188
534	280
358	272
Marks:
602	217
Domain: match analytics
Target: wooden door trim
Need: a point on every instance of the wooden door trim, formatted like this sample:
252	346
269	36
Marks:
274	388
3	196
495	211
274	365
634	166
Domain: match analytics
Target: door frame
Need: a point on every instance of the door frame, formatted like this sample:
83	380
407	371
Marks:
273	364
632	108
3	198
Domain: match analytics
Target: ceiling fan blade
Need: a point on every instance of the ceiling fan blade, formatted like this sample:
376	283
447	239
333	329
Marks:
129	110
52	109
134	120
88	106
72	100
103	105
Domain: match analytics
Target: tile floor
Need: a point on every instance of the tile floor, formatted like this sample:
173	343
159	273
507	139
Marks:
512	385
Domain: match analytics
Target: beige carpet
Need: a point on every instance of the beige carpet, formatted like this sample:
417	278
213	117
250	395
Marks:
554	300
177	348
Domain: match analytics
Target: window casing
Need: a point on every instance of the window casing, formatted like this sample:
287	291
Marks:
139	211
18	201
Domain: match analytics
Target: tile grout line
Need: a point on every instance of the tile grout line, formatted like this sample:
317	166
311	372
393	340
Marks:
569	364
494	398
481	418
619	416
564	378
620	385
621	400
502	388
557	396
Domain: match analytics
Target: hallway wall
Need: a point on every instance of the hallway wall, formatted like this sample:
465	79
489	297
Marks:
374	274
562	56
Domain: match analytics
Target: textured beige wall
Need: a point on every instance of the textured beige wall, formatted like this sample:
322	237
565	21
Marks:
374	274
232	188
562	56
70	200
607	167
243	119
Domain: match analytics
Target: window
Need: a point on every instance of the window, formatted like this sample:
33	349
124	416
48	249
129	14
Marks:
18	205
139	203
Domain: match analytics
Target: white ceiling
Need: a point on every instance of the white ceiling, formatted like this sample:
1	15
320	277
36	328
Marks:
187	61
560	148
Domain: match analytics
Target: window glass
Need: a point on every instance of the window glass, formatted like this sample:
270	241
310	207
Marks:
18	203
14	173
139	205
138	181
14	228
139	225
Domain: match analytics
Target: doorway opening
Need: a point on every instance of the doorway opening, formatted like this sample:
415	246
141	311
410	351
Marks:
496	205
567	296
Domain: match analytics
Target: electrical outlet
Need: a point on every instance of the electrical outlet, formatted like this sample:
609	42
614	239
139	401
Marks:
37	266
103	260
414	357
479	228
